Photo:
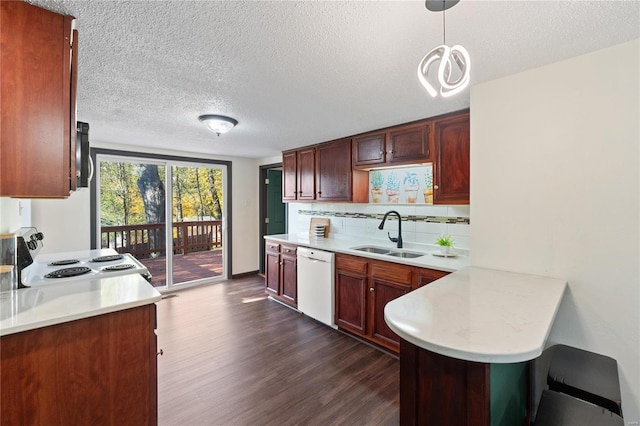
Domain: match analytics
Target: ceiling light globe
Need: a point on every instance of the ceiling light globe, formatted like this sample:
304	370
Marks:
218	124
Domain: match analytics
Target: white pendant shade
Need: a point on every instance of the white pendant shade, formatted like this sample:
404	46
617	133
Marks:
448	58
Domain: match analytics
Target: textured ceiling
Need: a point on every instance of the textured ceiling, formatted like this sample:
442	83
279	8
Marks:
298	73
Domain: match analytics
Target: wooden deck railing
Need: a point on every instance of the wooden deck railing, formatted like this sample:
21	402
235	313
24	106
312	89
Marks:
148	240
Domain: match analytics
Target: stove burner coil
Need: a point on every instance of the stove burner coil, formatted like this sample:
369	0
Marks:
120	267
107	258
68	272
64	262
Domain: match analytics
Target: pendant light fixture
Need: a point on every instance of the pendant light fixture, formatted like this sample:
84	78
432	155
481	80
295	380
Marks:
218	124
454	62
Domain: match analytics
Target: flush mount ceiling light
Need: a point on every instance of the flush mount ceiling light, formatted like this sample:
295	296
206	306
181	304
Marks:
455	63
218	124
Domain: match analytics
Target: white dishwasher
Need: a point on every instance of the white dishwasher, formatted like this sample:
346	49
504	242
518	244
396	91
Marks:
315	284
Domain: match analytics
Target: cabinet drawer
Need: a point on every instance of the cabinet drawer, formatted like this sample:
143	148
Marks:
351	263
426	276
393	272
272	247
288	250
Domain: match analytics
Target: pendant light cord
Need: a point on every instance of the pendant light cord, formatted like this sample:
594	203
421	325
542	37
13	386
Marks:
444	27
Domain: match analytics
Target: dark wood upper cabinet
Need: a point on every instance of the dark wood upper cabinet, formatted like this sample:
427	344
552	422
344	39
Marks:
38	102
307	173
290	176
409	144
399	145
338	170
369	149
452	160
333	171
323	173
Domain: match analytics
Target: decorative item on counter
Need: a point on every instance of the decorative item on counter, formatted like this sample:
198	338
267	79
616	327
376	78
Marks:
318	231
319	221
8	260
445	242
428	186
377	180
411	186
393	188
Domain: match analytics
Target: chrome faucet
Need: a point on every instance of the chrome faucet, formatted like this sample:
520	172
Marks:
395	240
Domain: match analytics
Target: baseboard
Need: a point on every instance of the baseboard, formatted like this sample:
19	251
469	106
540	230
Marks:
244	275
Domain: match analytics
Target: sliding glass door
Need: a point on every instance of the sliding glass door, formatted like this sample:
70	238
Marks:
169	215
197	194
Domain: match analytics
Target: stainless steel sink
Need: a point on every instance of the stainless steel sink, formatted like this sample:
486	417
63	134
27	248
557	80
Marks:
370	249
388	252
405	254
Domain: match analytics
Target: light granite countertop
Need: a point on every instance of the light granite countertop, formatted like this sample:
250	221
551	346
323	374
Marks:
478	314
346	246
35	307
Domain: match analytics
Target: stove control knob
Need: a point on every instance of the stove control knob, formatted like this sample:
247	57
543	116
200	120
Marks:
38	236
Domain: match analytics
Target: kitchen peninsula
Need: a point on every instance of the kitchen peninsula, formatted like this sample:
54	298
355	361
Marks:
464	333
80	352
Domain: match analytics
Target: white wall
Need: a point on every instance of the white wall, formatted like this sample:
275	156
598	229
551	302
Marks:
555	191
10	215
66	224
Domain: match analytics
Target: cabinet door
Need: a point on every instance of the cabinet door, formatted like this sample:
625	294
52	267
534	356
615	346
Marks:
307	173
36	108
333	171
289	279
97	370
289	176
382	292
350	305
451	165
272	273
409	144
369	149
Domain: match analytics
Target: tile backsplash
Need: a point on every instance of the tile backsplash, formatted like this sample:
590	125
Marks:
421	223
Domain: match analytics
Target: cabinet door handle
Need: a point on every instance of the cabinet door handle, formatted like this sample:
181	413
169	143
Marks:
160	353
435	186
280	263
381	153
371	289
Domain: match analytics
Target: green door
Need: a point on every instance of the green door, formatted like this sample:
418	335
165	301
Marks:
275	207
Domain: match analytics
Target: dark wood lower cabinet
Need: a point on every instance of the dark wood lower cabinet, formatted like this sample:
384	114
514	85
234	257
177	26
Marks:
439	390
289	279
351	301
383	292
100	370
281	272
272	273
364	287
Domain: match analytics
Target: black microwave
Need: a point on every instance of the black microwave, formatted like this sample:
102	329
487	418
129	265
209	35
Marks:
84	166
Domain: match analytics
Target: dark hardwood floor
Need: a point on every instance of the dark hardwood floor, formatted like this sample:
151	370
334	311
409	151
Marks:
233	357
